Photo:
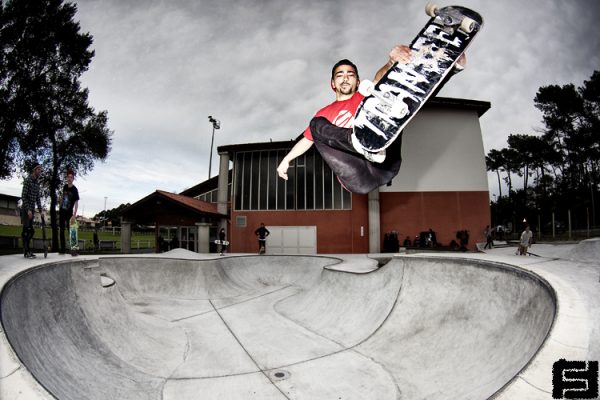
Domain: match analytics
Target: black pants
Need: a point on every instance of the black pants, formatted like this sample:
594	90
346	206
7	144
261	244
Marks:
355	172
28	231
64	219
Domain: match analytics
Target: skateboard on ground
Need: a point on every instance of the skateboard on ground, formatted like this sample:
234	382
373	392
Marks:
391	103
73	239
262	249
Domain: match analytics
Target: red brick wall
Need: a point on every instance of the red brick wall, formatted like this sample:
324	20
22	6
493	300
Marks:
407	213
444	212
338	231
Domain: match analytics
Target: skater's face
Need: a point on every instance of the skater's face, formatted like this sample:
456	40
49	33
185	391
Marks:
345	80
37	171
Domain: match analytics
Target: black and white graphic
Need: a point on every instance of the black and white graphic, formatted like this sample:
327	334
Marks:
397	97
575	379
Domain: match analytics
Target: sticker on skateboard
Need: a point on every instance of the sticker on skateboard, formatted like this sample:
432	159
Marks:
395	99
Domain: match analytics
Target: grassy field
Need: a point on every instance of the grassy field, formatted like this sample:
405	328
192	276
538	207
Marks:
139	240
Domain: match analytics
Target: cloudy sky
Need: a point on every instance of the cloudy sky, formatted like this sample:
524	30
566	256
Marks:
262	68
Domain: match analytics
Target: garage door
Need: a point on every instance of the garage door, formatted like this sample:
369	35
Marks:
292	240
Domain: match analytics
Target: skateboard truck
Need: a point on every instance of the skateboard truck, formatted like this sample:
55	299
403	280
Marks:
398	108
450	19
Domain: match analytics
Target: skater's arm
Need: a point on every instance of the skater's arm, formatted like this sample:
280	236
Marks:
299	148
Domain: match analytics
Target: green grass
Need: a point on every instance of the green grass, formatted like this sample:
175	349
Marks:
145	239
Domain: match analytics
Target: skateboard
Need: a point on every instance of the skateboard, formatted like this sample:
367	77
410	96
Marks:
261	250
391	103
223	244
73	239
44	243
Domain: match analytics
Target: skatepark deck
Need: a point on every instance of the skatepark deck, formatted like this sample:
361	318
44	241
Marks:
286	327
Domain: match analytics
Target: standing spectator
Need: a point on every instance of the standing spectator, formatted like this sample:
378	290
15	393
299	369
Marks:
489	242
96	240
69	201
525	241
30	198
463	238
222	239
262	234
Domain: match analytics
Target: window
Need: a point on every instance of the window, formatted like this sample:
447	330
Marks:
311	184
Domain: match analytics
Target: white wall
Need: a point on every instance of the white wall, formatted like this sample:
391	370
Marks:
442	150
292	240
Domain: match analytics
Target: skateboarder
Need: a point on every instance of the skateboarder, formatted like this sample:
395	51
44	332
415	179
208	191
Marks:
30	198
222	240
262	234
331	128
69	201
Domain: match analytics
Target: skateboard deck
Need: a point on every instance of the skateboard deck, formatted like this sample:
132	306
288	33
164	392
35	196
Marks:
391	103
73	239
261	250
223	242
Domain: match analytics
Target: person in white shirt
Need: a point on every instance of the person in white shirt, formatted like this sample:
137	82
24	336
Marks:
525	241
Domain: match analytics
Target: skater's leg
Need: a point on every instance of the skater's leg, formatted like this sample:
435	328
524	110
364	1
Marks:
356	173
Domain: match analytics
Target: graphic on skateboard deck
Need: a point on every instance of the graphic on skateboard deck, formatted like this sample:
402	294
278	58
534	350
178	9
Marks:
223	242
73	239
391	103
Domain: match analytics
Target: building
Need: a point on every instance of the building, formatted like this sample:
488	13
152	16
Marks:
9	210
442	186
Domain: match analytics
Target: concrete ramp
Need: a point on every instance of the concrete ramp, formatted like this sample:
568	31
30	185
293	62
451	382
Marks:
586	250
275	327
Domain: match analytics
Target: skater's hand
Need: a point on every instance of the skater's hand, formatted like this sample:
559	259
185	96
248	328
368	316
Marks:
282	169
461	62
401	54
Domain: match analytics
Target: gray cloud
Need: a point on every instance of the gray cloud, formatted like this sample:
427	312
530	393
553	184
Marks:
262	68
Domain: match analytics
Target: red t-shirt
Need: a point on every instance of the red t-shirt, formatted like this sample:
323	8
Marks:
339	113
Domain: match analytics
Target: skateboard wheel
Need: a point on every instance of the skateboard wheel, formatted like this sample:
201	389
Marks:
431	9
366	87
467	25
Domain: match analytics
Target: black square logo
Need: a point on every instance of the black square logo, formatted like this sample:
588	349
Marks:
575	379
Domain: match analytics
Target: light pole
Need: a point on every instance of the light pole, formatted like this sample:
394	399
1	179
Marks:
216	124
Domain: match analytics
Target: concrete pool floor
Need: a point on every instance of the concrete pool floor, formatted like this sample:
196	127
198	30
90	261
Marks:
182	325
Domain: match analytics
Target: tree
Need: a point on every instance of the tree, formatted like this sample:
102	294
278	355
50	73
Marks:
571	116
114	215
45	113
495	162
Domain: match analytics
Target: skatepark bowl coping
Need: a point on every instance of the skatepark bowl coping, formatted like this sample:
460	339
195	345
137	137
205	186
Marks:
275	327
